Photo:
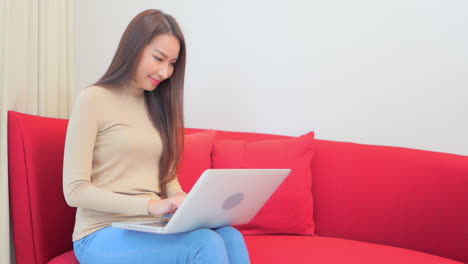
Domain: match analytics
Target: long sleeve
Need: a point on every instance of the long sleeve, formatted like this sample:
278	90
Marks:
80	142
173	187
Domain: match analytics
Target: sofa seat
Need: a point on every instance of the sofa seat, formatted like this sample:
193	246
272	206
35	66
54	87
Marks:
324	250
312	249
65	258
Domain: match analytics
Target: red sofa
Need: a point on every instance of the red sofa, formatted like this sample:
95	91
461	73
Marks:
372	204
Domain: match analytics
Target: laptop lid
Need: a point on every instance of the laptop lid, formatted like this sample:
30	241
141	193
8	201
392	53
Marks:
220	197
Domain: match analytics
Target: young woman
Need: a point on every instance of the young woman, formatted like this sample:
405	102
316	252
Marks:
123	144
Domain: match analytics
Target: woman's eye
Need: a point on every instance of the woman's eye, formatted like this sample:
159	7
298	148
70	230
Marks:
174	64
157	58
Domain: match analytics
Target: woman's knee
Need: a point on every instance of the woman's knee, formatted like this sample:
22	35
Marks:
210	238
211	247
230	233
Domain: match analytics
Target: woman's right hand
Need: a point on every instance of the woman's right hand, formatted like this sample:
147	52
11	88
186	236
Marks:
165	206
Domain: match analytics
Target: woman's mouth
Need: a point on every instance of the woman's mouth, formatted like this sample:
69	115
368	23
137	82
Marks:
156	82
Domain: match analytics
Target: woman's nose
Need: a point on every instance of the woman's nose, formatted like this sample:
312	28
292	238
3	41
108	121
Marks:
163	72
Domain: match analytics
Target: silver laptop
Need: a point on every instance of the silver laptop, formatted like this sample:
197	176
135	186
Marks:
220	197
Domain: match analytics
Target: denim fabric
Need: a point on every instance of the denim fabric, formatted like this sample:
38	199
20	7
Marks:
118	246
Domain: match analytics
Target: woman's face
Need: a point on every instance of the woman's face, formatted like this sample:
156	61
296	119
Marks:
157	61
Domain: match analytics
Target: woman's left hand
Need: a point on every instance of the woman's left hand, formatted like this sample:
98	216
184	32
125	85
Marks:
179	197
181	194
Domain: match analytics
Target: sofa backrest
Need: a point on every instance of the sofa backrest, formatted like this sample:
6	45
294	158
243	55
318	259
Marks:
394	196
42	222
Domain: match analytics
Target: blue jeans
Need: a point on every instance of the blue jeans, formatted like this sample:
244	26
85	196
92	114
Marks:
115	245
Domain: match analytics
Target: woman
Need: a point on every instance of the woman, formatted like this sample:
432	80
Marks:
123	144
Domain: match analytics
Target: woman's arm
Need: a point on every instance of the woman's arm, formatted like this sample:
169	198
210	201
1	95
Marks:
78	158
174	188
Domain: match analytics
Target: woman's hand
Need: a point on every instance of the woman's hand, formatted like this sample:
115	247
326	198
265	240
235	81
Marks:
166	206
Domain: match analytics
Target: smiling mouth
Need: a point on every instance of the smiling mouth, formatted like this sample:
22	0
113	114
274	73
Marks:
156	82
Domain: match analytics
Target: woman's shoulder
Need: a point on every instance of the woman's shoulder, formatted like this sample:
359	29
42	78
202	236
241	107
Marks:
95	93
94	90
93	97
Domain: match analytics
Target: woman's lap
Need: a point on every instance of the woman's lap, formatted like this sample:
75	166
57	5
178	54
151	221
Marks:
115	245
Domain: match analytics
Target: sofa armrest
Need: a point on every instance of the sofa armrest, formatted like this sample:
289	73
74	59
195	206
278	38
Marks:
395	196
41	220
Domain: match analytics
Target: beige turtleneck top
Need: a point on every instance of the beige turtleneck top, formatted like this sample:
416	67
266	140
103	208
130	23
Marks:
111	159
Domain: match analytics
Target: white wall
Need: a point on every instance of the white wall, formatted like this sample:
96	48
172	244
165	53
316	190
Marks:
375	72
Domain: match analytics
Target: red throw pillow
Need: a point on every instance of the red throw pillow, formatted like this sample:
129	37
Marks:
196	157
290	208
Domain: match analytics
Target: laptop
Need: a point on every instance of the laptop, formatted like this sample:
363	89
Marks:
220	197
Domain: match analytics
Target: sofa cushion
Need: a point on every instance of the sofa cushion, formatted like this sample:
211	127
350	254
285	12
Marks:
290	208
324	250
196	157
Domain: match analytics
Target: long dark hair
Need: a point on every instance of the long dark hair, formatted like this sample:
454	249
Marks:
165	104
